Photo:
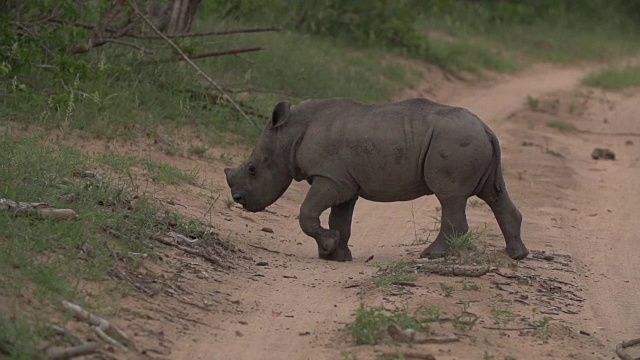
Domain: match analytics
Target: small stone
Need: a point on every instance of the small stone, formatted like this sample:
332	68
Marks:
606	154
304	333
242	322
238	333
628	142
262	263
582	332
401	335
267	230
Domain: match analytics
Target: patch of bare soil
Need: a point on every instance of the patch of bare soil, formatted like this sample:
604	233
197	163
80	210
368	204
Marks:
575	296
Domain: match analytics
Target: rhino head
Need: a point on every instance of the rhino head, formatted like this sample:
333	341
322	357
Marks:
265	175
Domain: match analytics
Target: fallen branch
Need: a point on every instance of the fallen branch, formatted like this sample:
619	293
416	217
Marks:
451	270
74	351
100	326
622	353
217	53
436	339
36	209
189	61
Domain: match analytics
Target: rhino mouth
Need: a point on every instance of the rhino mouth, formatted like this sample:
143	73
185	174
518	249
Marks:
253	208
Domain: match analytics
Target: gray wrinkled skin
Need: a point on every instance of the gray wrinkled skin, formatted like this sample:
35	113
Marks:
393	152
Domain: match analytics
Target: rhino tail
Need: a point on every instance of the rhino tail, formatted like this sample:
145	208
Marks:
495	168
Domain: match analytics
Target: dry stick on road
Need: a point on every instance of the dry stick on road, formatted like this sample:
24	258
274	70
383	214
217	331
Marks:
622	353
190	62
424	265
36	209
101	327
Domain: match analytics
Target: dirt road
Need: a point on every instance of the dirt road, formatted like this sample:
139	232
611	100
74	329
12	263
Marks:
283	303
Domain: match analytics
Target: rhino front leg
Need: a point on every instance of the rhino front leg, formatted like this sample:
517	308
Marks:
322	195
340	219
452	223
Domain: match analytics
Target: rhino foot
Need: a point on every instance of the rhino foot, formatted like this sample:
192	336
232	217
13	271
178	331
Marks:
518	251
328	244
436	250
341	254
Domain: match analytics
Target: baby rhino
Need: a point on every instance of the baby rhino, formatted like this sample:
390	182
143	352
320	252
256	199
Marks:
394	152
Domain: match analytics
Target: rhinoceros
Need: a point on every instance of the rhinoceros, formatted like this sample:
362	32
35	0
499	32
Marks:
400	151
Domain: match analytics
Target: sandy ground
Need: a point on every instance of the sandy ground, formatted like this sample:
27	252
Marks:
280	302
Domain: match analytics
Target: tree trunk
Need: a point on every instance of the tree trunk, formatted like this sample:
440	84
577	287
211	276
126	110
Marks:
179	16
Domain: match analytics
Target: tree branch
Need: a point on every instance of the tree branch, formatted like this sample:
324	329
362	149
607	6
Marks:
190	62
217	53
207	33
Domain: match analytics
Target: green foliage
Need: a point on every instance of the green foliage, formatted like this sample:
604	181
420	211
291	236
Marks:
386	23
546	30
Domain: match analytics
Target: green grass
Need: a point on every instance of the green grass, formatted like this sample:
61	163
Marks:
470	55
50	260
561	125
615	78
163	172
371	322
554	37
462	244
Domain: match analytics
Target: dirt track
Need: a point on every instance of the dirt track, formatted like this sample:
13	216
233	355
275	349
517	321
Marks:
582	211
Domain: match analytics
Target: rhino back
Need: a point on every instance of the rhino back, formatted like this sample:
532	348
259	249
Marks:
381	149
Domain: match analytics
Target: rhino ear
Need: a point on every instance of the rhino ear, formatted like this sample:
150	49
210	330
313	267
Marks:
280	114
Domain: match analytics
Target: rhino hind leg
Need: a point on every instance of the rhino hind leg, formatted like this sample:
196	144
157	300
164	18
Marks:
340	220
453	222
321	196
508	217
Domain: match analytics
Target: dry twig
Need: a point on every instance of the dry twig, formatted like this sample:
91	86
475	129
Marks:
100	326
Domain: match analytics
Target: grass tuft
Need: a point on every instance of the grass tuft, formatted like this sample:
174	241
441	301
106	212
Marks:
561	125
370	322
614	78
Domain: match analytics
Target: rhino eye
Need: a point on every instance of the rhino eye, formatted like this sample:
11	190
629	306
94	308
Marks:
252	170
